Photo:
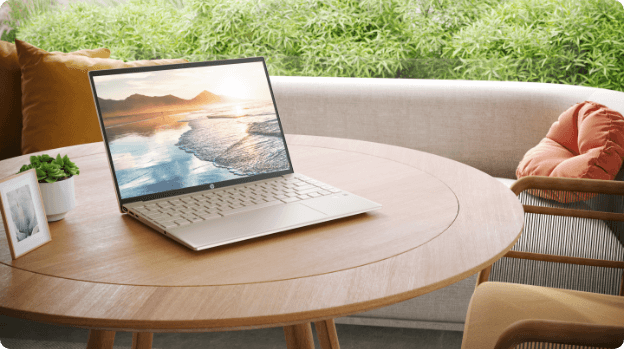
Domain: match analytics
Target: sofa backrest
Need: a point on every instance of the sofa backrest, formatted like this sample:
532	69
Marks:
486	124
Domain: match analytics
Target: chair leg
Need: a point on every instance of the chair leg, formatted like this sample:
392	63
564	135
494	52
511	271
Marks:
484	275
101	339
299	336
327	335
142	340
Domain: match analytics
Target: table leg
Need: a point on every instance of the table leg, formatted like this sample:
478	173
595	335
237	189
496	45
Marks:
299	336
327	335
100	339
142	340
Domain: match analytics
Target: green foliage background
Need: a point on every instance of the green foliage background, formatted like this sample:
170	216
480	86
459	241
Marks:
557	41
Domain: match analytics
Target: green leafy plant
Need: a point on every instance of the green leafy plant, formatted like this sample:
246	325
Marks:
554	41
19	11
49	169
557	41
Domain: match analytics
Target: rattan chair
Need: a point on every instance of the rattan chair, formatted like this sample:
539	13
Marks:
561	285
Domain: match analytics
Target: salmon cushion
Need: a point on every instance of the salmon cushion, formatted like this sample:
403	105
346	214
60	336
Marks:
586	142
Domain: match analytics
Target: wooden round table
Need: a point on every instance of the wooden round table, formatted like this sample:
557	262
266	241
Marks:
441	222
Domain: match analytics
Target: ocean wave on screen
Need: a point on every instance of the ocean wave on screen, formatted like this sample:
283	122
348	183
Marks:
266	128
208	138
254	154
242	146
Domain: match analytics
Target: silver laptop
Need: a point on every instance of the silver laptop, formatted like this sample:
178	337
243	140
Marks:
197	153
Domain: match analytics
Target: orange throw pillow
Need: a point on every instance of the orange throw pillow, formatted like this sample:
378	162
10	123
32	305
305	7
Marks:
586	142
11	97
57	103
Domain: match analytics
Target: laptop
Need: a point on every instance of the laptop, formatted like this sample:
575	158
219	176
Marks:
197	153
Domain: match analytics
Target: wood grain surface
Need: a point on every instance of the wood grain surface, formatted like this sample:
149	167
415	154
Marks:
441	221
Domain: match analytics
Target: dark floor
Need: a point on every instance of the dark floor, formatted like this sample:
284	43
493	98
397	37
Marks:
21	334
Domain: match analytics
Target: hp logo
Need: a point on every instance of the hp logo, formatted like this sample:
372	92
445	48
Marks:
211	186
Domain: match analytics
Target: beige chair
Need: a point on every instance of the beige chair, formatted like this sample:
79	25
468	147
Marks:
527	301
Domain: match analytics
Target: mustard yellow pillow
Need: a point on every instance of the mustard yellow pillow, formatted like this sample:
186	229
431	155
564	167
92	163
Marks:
11	97
57	103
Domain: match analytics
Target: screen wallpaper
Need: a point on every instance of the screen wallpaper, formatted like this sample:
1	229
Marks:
174	129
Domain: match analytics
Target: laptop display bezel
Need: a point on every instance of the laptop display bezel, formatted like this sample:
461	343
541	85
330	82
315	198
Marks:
197	188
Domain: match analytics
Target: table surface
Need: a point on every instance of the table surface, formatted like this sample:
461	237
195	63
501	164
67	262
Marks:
441	222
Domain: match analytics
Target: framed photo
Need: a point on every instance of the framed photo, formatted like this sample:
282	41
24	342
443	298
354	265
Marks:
23	214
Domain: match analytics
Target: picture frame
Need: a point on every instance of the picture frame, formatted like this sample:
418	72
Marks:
23	214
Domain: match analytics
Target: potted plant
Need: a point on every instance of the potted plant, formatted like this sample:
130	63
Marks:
56	182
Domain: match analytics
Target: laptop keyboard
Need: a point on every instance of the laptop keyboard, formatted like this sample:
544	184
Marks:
214	204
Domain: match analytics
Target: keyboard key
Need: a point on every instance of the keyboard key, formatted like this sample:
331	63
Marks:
308	191
249	208
159	217
168	218
306	187
210	216
287	199
182	222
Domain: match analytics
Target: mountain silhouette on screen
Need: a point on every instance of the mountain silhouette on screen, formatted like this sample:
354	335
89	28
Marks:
138	103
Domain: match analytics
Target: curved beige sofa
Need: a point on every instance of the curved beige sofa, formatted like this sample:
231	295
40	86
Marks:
485	124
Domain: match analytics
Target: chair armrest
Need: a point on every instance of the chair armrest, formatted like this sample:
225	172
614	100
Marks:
570	333
572	184
576	185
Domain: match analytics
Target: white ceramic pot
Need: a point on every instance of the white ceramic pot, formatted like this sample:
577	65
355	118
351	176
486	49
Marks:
58	198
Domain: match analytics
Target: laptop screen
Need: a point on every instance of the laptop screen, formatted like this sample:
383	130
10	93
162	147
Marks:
187	127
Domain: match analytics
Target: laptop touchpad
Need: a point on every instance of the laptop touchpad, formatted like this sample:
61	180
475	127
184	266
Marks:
236	227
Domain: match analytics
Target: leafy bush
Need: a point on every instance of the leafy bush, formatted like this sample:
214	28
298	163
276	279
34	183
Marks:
134	30
556	41
19	11
562	41
306	37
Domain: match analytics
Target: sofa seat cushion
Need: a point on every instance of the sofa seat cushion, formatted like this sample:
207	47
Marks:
496	305
587	141
11	97
57	103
